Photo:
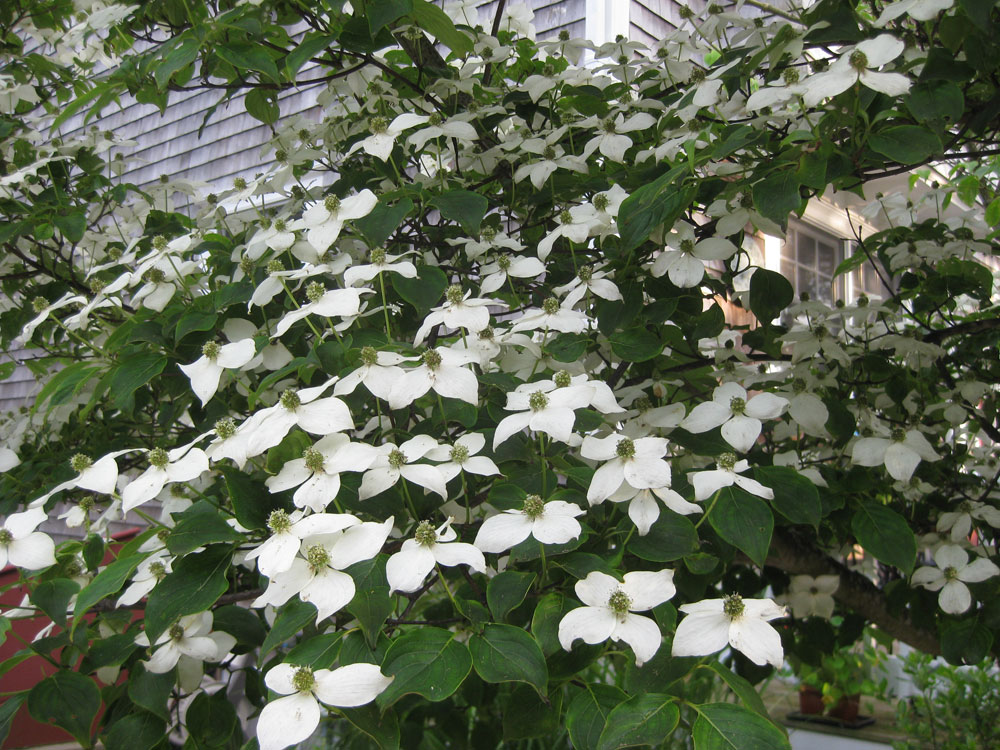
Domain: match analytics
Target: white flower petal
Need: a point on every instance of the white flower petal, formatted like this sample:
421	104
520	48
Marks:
352	685
641	633
592	624
503	531
758	641
287	721
407	569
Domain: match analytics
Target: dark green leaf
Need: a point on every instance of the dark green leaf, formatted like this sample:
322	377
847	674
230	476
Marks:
192	321
507	590
150	690
382	728
425	290
134	372
7	369
428	661
504	653
372	603
318	652
242	623
906	144
795	497
524	715
770	293
886	535
72	226
672	537
776	196
244	56
936	100
966	642
292	618
383	12
66	383
195	584
262	105
109	581
750	697
53	596
211	719
197	530
8	710
588	713
137	731
177	57
67	699
743	520
636	344
383	220
252	503
463	206
657	203
311	45
112	651
568	347
726	726
436	22
641	720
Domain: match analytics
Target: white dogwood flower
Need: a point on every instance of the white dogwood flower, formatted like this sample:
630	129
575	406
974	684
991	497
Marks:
809	596
443	370
407	569
392	463
462	457
739	416
551	412
636	462
551	522
726	474
859	65
190	637
325	219
379	372
609	609
901	452
291	719
165	467
277	553
317	472
21	545
711	624
953	571
683	258
205	372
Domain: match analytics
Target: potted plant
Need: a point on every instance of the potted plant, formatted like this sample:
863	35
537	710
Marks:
838	681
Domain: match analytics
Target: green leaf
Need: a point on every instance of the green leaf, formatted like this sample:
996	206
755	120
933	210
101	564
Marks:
382	728
463	206
383	220
177	57
372	603
588	713
636	344
507	590
568	347
150	690
428	661
262	105
244	56
72	225
795	497
966	642
66	383
750	697
195	584
111	651
319	652
194	321
641	720
53	596
242	623
137	731
770	293
672	537
436	22
992	215
935	100
885	534
69	700
660	202
524	715
8	710
906	144
381	13
424	291
134	372
726	726
79	102
504	653
251	503
776	196
211	719
109	581
743	520
292	618
196	530
311	45
7	369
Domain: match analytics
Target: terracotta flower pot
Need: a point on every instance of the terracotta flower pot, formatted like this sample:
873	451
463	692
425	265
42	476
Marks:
846	709
810	700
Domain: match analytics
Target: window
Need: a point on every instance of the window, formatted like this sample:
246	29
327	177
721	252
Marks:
809	259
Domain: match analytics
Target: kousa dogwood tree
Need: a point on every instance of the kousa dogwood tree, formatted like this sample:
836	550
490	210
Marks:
484	414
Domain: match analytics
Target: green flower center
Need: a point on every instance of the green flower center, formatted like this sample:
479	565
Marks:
97	286
733	606
820	331
157	570
432	359
454	294
246	265
799	385
619	602
155	276
396	458
303	679
565	217
687	246
863	300
715	9
858	61
80	462
746	201
537	400
897	435
369	356
503	262
609	124
697	75
586	273
534	506
435	119
625	449
737	405
486	333
425	534
950	573
290	400
6	537
159	458
331	203
318	557
279	522
378	125
459	454
163	535
159	242
549	153
642	404
240	184
726	462
315	291
313	459
176	632
548	70
550	306
39	303
377	256
488	234
562	379
225	428
211	350
275	266
563	35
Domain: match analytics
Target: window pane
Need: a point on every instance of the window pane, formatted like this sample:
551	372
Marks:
827	260
807	250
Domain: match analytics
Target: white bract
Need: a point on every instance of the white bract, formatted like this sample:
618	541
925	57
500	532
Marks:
712	624
21	545
407	569
552	522
953	571
739	416
609	609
